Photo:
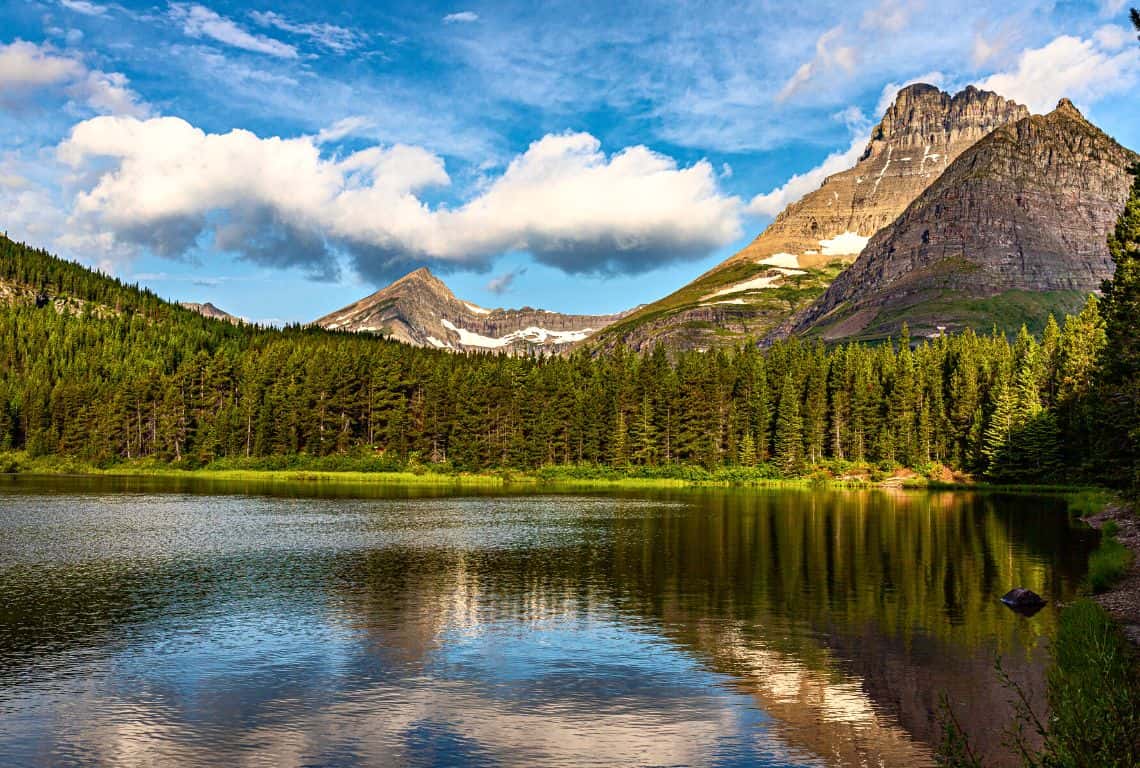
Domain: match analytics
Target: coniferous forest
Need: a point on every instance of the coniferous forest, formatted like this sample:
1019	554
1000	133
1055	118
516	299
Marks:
104	372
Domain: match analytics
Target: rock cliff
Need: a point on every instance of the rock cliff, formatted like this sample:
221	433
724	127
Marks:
1014	228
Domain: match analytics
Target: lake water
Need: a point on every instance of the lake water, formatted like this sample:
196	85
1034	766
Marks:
146	623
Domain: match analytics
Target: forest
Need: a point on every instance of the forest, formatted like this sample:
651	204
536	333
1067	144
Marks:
106	372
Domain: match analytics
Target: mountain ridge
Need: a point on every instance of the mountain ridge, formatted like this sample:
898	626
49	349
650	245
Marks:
812	240
1023	214
420	309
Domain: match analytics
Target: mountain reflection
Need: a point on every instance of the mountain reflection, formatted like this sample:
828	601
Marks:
699	628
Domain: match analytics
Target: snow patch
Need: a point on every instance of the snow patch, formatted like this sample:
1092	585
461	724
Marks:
846	244
477	310
785	260
757	283
532	334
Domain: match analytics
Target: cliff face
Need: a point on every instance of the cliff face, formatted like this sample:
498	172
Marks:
811	241
419	309
1024	214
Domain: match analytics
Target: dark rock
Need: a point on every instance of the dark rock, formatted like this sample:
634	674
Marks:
1023	600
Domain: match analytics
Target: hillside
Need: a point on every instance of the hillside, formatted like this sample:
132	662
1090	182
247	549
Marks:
1015	229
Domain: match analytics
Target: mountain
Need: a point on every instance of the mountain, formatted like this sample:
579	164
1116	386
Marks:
794	260
209	310
1015	228
419	309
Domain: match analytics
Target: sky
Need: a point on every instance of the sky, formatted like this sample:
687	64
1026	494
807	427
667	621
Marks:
283	159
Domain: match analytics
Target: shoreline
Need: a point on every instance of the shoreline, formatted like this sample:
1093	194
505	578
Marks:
1122	599
12	465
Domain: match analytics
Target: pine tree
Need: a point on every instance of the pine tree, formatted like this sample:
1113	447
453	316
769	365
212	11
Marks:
1119	369
789	428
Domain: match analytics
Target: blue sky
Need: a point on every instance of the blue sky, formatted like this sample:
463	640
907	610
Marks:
283	159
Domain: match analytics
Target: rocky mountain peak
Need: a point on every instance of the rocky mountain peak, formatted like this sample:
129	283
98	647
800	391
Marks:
1066	108
923	116
1019	220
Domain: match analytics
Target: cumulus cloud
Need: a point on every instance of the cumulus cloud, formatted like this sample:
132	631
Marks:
1081	69
167	186
330	36
1113	37
500	284
199	21
830	55
27	68
462	17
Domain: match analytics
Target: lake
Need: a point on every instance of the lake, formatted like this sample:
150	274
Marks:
154	623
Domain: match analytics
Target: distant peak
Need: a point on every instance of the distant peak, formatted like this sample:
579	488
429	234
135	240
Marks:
1066	107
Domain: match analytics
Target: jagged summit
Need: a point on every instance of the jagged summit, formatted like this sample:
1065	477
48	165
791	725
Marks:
1021	219
813	239
420	309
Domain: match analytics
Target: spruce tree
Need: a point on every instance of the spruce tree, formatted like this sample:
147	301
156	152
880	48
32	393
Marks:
1119	369
789	428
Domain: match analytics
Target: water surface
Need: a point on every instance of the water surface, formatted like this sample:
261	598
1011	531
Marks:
278	625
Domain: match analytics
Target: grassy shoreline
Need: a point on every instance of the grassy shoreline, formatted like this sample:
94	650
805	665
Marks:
369	472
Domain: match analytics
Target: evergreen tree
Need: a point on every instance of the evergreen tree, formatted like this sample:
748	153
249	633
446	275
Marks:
789	428
1119	368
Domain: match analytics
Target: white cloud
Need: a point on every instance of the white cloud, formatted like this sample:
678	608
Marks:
891	90
25	65
26	68
341	128
890	15
1067	66
1113	37
771	203
84	7
199	21
338	39
830	55
164	184
462	17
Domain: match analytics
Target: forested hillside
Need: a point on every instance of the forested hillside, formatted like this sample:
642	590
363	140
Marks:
98	370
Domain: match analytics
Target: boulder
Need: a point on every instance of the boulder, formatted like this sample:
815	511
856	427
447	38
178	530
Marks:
1023	600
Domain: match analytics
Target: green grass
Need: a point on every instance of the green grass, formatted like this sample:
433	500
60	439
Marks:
371	469
1109	562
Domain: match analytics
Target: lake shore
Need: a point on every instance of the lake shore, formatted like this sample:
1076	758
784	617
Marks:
1122	599
308	470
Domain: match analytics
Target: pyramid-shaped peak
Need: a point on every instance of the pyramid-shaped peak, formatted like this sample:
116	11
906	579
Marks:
1067	108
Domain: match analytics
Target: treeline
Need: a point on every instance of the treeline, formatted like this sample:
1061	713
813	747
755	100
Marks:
149	379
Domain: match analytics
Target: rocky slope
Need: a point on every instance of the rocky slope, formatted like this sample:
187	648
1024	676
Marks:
813	240
207	309
1013	229
419	309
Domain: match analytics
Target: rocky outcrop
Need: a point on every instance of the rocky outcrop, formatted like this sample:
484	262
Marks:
207	309
419	309
920	134
1020	218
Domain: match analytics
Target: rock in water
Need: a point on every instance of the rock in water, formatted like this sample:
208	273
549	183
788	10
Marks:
1023	600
